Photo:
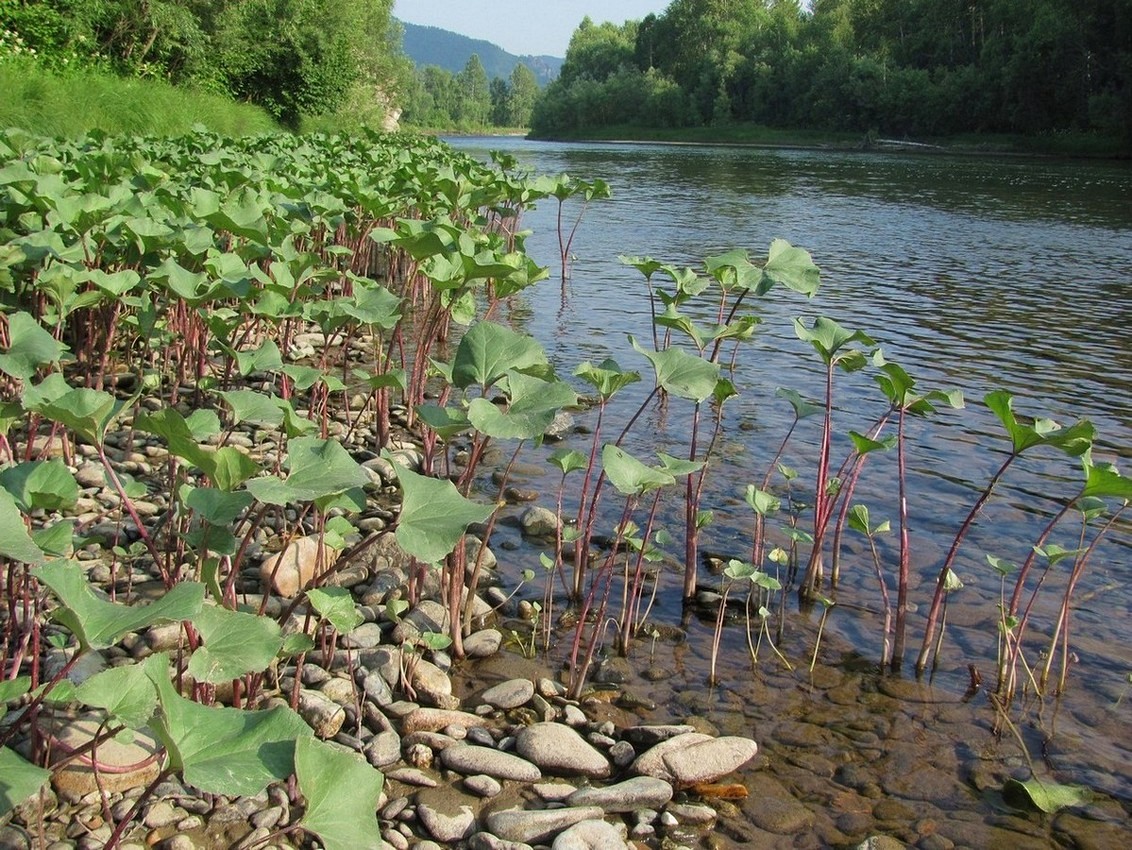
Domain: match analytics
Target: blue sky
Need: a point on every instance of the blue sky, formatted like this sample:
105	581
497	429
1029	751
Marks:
535	27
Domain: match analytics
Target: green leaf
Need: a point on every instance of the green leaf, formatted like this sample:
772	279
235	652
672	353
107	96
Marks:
828	339
15	543
447	422
568	460
803	408
792	267
1103	481
266	358
57	539
341	791
235	643
225	750
607	377
11	689
318	469
336	606
217	506
761	502
19	779
30	347
678	467
258	408
1046	796
1075	440
46	484
734	270
532	406
126	693
489	351
628	475
231	468
680	373
98	623
86	411
433	516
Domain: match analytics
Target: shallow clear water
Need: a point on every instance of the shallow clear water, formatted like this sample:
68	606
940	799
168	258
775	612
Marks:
971	273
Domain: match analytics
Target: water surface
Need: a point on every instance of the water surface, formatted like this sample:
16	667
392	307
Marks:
971	273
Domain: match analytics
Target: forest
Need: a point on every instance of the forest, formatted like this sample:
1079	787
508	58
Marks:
292	57
924	68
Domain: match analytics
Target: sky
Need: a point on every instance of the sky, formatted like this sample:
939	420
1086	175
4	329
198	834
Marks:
522	27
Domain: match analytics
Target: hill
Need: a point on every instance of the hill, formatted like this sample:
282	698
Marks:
451	51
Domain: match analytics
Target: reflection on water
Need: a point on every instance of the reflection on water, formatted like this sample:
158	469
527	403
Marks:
972	273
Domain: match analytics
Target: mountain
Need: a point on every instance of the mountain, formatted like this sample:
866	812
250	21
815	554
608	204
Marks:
451	51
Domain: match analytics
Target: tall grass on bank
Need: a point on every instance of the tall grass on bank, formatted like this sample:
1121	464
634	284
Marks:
74	102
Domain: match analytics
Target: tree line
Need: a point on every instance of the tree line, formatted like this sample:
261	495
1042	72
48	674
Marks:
293	57
435	97
899	67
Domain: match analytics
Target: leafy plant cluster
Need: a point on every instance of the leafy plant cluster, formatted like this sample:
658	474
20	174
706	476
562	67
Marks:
154	292
925	67
161	293
293	57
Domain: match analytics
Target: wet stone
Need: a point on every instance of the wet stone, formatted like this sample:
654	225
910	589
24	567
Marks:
509	694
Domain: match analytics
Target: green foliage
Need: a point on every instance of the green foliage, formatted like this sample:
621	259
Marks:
342	792
292	57
918	68
434	516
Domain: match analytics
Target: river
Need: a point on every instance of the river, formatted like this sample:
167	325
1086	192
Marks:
972	273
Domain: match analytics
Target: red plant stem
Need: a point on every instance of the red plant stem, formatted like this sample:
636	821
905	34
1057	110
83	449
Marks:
905	553
932	624
1010	659
629	621
691	503
582	543
812	578
1078	571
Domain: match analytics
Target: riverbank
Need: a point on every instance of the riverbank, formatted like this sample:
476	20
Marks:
1082	145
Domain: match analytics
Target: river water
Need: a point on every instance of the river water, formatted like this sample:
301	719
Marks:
971	273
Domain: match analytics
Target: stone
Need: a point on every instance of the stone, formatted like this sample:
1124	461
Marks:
130	764
695	814
510	694
482	785
383	749
321	713
537	825
365	636
537	521
487	841
649	736
558	749
592	835
483	644
641	792
297	565
469	760
447	827
431	683
694	758
435	719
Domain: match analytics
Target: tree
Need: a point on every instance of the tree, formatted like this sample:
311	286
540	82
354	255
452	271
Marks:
474	107
522	92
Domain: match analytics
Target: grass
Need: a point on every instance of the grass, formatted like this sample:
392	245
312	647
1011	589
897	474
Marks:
73	103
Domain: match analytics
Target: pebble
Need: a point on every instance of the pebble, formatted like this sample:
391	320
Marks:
470	760
559	749
509	694
592	835
538	825
637	793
